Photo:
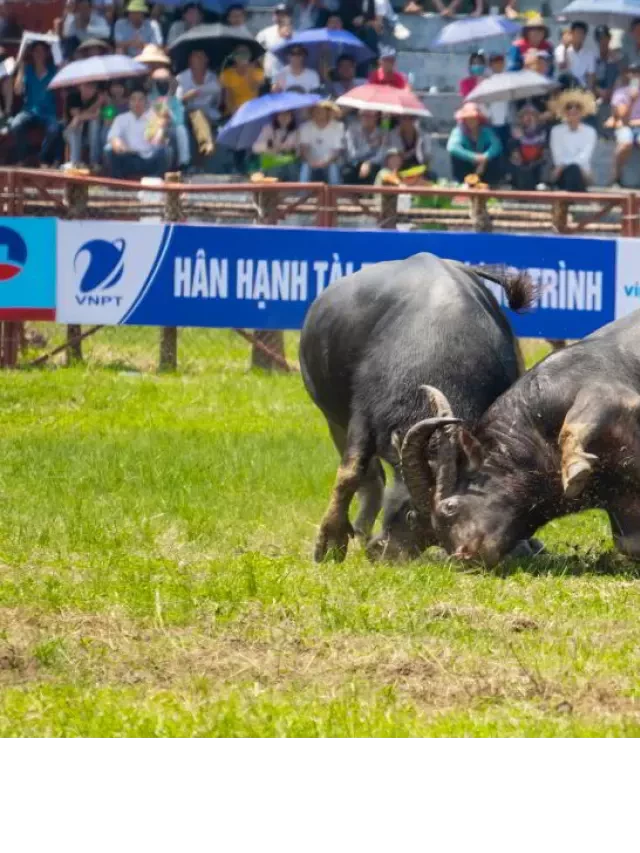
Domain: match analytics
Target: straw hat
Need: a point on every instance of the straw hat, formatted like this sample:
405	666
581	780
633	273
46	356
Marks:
585	100
137	6
90	44
535	21
153	55
470	110
329	105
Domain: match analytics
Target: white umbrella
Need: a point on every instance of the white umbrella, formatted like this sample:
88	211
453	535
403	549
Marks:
511	86
476	29
612	13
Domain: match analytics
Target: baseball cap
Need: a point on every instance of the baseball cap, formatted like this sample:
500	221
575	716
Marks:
387	52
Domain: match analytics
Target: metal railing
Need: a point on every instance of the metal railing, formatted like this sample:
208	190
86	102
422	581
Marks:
78	195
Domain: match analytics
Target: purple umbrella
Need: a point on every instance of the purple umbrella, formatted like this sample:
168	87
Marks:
242	130
97	69
476	29
323	43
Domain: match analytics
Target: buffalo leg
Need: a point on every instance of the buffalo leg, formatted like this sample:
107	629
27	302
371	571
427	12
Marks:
335	528
370	496
624	515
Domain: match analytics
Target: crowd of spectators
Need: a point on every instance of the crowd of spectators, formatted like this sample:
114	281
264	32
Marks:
147	126
549	140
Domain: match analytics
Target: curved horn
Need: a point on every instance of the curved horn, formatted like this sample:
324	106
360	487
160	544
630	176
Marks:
416	471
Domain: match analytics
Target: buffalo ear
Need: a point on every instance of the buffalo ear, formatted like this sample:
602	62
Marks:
472	449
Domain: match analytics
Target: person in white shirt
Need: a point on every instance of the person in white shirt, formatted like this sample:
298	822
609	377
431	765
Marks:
137	142
136	30
236	20
269	37
572	142
295	75
199	88
321	144
192	15
578	58
85	23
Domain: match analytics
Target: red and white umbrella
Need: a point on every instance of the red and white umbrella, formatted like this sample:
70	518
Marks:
384	99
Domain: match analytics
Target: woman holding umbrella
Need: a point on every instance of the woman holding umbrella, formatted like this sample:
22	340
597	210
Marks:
277	147
295	74
474	147
39	105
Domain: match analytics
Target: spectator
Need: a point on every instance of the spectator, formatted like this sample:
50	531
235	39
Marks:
321	144
631	45
192	15
84	107
607	65
528	146
534	36
39	106
164	101
92	47
572	142
538	60
153	57
334	22
236	19
578	58
477	68
386	74
200	92
365	19
414	146
365	143
450	10
269	37
116	103
295	74
84	22
344	77
137	145
474	147
240	83
133	32
389	174
307	15
625	105
498	112
277	147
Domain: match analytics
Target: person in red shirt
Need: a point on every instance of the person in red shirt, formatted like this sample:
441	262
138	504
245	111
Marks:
477	70
386	74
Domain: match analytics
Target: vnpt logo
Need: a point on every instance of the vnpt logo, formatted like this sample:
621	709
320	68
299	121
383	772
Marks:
103	264
13	254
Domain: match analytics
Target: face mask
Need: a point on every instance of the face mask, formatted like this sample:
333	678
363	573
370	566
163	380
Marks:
476	70
162	87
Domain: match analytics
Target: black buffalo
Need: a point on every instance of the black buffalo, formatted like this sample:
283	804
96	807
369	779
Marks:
368	343
565	437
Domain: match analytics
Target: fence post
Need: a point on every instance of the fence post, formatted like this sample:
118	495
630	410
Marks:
388	211
272	339
560	215
168	359
76	198
480	216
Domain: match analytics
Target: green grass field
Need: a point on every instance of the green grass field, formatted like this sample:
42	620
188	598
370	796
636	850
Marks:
155	576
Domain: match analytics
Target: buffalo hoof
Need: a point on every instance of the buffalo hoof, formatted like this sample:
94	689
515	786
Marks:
527	548
332	542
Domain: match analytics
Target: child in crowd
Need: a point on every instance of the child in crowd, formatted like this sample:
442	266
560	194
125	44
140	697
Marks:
477	69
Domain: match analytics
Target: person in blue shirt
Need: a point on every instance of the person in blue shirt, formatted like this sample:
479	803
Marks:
39	105
474	147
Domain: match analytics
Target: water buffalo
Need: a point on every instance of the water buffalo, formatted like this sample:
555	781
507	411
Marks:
565	437
368	343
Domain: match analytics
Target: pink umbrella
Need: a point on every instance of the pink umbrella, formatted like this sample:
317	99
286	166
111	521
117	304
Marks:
384	99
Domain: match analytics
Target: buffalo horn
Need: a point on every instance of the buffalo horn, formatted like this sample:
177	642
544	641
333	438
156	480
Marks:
416	471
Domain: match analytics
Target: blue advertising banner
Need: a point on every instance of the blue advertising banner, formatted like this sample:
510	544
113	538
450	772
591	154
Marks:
266	278
27	268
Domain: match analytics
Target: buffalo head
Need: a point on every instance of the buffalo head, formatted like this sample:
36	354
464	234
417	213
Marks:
473	510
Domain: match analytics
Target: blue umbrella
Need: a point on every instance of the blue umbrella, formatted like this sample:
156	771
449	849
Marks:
476	29
322	42
97	69
244	127
612	13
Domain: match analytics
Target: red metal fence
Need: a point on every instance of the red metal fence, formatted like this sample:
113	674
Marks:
77	195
